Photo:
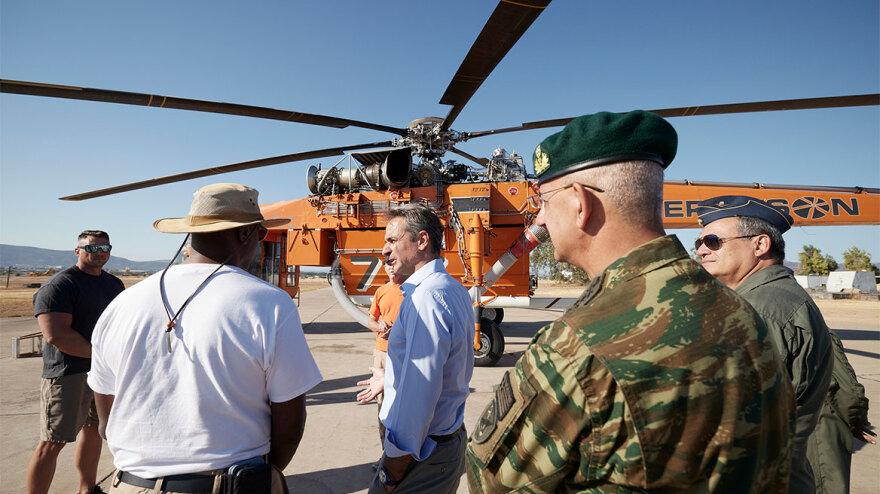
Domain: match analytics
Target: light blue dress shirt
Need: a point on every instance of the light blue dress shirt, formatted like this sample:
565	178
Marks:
429	364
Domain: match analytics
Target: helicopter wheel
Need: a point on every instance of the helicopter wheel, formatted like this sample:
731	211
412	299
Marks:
496	315
491	344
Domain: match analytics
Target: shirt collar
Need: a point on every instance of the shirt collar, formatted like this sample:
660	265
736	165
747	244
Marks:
431	267
762	277
645	258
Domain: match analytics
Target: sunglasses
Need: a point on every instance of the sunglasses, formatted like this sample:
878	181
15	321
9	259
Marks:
538	200
262	232
713	242
91	249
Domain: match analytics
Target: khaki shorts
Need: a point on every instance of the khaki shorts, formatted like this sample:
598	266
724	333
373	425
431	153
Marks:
66	405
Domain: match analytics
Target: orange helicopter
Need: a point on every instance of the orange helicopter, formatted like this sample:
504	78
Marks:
483	204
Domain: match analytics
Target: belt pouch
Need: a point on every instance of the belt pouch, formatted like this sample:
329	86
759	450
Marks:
251	479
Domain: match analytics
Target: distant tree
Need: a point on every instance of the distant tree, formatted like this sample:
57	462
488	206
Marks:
832	264
812	262
542	260
856	259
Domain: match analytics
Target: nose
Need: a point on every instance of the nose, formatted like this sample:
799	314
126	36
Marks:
539	220
386	250
703	250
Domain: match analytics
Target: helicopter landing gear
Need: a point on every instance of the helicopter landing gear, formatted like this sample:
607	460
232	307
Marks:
496	315
491	344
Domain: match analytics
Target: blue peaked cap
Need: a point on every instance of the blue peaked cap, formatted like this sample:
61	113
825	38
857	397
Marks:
720	207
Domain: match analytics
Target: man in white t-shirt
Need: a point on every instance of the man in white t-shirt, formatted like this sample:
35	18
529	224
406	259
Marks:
203	366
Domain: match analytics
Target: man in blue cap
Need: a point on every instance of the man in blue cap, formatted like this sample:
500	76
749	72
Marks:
741	244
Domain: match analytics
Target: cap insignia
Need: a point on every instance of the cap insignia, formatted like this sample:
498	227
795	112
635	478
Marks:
542	161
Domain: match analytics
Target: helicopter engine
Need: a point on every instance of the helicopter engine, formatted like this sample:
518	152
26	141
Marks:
383	169
504	167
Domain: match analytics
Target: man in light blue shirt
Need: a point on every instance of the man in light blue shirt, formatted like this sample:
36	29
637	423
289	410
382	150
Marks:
429	365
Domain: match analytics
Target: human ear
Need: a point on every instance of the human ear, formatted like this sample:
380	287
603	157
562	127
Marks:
423	240
584	199
762	245
244	233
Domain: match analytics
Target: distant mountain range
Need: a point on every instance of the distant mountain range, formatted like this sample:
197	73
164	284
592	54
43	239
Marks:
35	258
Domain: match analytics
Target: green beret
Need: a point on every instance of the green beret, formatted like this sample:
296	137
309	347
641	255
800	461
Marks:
604	138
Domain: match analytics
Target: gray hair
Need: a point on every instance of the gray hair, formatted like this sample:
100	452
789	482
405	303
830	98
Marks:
748	225
418	218
633	187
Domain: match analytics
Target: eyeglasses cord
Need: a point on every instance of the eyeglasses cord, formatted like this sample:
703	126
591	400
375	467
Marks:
162	294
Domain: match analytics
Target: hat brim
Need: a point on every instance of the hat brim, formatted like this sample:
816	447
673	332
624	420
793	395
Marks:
180	225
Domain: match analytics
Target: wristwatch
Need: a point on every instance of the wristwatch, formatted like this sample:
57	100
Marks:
385	479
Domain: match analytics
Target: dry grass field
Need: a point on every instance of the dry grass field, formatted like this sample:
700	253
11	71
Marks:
17	293
17	299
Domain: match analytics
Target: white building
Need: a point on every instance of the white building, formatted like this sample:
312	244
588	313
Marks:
839	281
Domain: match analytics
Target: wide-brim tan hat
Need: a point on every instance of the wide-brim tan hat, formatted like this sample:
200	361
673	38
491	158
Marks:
218	207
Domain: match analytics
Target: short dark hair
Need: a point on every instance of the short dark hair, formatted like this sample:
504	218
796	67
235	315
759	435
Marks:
417	218
748	225
93	233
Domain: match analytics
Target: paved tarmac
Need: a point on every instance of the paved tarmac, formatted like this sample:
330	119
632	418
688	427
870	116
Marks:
341	438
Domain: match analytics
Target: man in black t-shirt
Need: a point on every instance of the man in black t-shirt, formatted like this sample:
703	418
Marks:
67	308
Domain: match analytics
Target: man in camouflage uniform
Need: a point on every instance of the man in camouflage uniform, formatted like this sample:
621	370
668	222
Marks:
844	415
658	378
742	246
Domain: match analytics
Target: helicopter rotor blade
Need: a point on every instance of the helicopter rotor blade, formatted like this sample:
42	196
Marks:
480	161
690	111
216	170
126	98
503	29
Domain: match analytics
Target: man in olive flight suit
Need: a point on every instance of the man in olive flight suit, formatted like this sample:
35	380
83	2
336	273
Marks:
844	416
741	244
658	377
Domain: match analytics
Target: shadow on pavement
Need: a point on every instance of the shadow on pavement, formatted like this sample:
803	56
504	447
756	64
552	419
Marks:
521	329
862	353
325	393
355	478
333	328
858	334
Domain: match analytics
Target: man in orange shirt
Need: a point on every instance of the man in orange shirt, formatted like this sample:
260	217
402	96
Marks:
383	313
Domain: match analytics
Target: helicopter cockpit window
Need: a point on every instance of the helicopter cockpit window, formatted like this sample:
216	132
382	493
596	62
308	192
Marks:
270	266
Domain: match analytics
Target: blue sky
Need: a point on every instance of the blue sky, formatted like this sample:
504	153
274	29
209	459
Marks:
389	62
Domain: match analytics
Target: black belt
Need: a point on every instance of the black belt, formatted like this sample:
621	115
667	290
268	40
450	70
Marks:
447	437
190	483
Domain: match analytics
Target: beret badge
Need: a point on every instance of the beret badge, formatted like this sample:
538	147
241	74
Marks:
542	160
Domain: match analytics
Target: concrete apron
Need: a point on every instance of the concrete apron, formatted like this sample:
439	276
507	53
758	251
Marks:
341	440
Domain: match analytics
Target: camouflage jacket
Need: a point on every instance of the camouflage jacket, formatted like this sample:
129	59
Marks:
658	378
798	331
